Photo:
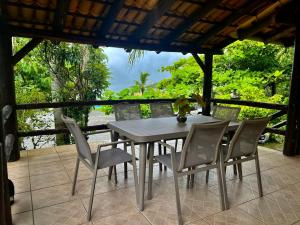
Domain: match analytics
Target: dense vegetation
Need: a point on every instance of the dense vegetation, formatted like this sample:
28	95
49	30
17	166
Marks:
58	72
66	72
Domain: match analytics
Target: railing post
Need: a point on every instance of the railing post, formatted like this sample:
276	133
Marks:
7	84
292	139
207	83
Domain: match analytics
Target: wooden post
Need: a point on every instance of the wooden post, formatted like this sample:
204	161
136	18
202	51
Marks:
207	83
7	85
292	140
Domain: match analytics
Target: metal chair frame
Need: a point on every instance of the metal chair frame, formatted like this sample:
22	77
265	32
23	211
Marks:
179	170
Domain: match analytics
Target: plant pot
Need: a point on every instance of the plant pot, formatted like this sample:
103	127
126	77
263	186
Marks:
181	119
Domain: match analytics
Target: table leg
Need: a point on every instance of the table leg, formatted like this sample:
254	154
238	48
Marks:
142	173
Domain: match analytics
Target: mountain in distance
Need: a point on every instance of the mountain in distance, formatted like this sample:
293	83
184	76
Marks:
124	75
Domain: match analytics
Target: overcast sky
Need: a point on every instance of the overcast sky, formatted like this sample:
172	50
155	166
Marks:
123	75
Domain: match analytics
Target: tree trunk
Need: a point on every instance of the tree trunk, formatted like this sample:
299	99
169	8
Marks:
61	139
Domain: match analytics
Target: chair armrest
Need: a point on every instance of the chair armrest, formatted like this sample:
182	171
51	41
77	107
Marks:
112	143
166	145
98	132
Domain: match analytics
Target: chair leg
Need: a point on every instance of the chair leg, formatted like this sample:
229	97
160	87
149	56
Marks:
75	175
115	174
150	176
92	195
176	143
221	189
165	152
125	164
207	176
240	171
222	168
110	170
234	169
178	206
260	189
133	161
192	178
159	153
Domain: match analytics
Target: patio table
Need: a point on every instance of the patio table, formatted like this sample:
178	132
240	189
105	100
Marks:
150	130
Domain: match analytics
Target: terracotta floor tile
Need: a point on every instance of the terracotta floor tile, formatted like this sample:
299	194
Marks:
25	218
69	213
52	196
22	203
199	222
270	212
49	180
130	217
232	217
21	184
17	171
44	158
42	168
42	151
238	192
83	172
108	204
83	188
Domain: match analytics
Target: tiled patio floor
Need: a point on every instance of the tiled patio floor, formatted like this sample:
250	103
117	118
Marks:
43	185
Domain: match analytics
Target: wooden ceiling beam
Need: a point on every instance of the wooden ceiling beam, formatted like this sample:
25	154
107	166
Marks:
25	50
60	15
153	16
194	18
255	28
110	18
49	35
250	5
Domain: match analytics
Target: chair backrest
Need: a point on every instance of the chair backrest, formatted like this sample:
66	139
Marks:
245	139
202	144
82	147
126	111
226	113
161	109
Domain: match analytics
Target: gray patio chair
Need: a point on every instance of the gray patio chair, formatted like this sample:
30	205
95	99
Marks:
226	113
125	111
243	148
199	153
159	110
98	160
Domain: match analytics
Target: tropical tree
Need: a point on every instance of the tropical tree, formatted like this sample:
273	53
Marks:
142	82
79	72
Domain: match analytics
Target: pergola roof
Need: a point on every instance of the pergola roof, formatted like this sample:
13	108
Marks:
197	26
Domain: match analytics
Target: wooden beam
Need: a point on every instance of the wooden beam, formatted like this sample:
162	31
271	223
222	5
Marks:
60	15
199	61
25	50
153	16
228	21
280	35
225	43
207	83
292	140
194	18
49	35
110	18
255	28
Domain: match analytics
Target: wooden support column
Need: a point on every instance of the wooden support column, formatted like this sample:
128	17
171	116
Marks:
7	85
292	140
207	83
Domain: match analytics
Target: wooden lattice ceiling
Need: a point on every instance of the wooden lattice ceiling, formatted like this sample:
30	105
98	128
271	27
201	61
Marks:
197	26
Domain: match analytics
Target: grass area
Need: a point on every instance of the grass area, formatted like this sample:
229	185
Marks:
273	145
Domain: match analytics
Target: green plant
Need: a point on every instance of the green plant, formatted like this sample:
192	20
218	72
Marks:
182	105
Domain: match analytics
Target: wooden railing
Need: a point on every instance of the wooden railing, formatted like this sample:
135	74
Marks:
282	110
274	129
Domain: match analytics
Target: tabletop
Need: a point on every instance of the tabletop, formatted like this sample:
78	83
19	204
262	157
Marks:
155	129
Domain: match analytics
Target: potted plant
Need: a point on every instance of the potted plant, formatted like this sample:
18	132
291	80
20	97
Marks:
182	105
